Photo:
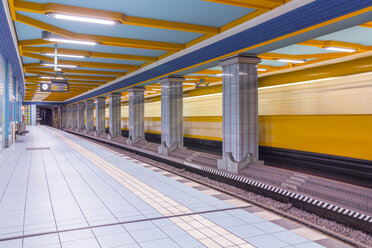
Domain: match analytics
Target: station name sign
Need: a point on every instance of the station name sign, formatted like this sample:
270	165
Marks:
54	87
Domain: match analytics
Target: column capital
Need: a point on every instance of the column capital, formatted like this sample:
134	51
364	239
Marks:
89	100
100	98
240	58
170	79
115	94
136	89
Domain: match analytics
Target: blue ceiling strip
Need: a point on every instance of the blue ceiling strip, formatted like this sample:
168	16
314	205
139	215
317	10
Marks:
298	19
7	48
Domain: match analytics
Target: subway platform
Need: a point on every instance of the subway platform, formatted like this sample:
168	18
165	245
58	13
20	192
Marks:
59	190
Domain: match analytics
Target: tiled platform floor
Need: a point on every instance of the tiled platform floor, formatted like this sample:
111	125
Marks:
58	190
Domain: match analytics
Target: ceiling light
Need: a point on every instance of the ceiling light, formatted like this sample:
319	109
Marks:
58	38
261	69
80	42
82	19
151	91
45	77
294	61
66	66
66	55
340	49
188	83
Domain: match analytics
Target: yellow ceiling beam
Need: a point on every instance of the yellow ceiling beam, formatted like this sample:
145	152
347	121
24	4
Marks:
88	53
204	77
326	43
111	15
252	4
70	77
31	84
274	56
367	25
209	72
35	42
81	63
70	81
76	71
104	40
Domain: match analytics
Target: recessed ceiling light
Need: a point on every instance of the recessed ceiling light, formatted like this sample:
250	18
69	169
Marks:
340	49
66	55
261	69
294	61
82	19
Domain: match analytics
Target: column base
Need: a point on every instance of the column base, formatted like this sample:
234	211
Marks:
112	136
165	150
96	134
87	131
131	142
228	163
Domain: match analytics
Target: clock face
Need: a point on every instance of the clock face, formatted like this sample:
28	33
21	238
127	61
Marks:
44	86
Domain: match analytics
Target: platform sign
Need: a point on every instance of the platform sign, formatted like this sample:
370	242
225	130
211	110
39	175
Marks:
54	87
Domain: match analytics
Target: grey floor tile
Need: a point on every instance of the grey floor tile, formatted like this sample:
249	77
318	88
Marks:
147	235
187	241
81	243
168	243
290	237
266	241
269	227
11	244
114	240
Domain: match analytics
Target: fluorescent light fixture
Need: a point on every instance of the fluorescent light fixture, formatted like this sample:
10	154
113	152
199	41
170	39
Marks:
65	55
340	49
80	42
151	91
261	69
45	77
66	66
58	38
294	61
188	83
82	19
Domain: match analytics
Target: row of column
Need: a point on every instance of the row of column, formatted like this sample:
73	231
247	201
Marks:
240	114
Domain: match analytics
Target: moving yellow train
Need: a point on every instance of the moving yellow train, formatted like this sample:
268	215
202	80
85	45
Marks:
330	116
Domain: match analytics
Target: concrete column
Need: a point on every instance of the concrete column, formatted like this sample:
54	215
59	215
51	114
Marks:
114	115
80	115
59	114
63	117
74	116
136	115
89	116
171	114
240	112
100	116
5	118
68	116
